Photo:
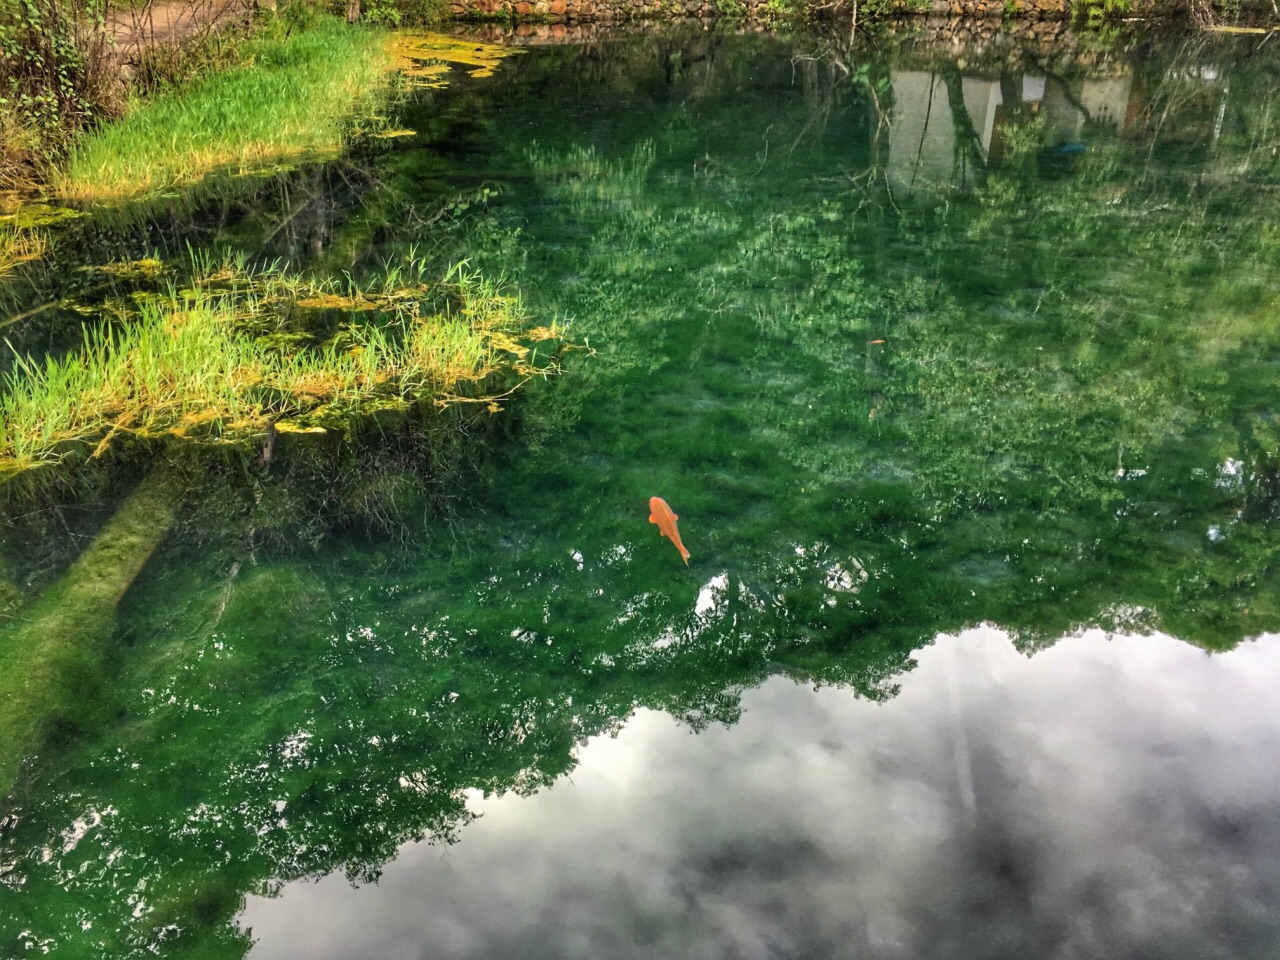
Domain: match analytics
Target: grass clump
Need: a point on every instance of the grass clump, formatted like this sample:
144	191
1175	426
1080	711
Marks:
236	354
288	100
18	246
57	77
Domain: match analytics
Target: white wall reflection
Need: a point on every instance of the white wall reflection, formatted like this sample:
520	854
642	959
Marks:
1103	798
945	126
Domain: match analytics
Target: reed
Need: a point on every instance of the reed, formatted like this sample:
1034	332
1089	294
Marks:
289	100
221	360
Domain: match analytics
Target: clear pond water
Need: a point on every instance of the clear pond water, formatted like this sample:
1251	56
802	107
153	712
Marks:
959	364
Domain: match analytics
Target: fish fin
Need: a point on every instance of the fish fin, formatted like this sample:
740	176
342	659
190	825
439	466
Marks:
675	516
653	518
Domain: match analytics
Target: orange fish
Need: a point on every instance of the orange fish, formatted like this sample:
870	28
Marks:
661	514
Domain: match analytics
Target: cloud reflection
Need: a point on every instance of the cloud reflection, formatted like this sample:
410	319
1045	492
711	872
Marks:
1104	798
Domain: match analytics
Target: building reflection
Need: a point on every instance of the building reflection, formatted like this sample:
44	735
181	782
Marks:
946	127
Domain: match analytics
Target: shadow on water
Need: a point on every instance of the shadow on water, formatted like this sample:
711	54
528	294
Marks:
911	341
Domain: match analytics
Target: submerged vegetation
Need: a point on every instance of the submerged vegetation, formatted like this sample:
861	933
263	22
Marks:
50	658
224	366
1046	401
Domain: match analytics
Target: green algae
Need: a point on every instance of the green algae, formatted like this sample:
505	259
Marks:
24	215
428	58
51	654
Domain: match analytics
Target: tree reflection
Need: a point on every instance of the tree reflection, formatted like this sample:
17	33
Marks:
1073	392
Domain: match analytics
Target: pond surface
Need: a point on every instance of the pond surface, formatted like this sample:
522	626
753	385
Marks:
959	363
1097	799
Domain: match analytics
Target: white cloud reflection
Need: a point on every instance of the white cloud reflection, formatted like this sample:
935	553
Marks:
1103	798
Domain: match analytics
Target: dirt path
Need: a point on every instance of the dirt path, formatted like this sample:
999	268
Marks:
168	22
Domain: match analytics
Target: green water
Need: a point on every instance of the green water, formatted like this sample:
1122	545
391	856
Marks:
913	338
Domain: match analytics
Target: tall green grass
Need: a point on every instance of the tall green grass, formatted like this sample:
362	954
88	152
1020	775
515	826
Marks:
289	100
222	360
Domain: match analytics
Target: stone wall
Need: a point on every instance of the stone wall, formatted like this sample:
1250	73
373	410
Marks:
978	45
611	11
592	11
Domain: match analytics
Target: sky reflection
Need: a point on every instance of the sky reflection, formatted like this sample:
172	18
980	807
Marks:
1103	798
